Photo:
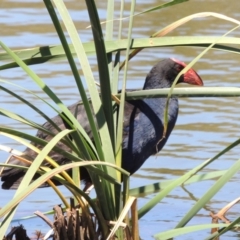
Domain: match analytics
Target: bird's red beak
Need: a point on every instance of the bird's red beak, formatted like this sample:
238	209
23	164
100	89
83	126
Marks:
190	77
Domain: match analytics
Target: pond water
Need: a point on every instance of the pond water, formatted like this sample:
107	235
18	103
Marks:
204	127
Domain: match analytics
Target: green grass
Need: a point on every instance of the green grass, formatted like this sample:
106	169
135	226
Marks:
102	156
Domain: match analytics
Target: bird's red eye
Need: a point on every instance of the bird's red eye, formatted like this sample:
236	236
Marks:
180	65
179	68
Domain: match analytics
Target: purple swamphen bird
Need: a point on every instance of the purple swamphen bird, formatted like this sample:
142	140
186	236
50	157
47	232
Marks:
142	130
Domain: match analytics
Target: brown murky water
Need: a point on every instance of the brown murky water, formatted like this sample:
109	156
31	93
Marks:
204	126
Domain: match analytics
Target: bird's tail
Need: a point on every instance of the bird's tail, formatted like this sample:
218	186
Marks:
10	176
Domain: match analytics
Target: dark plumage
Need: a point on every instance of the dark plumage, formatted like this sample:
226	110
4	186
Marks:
143	124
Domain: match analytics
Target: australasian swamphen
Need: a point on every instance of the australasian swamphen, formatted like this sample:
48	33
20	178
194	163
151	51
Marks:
142	130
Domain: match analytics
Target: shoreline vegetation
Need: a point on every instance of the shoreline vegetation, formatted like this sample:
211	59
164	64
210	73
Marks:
113	214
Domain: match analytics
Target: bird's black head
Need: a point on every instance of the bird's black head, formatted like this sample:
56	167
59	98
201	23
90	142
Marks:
164	73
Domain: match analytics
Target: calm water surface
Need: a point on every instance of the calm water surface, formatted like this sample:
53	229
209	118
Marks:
204	126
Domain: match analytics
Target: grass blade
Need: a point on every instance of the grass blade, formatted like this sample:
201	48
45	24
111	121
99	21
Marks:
181	180
181	231
156	187
209	194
